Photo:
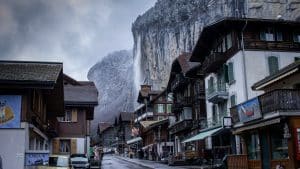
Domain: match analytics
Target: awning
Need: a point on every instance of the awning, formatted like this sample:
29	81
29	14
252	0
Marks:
203	135
134	140
258	125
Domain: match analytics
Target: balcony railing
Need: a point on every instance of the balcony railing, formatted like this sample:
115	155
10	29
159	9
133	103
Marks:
178	82
181	125
217	92
281	100
213	62
143	116
268	45
200	123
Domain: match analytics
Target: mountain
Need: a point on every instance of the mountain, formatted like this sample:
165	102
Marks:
113	77
173	26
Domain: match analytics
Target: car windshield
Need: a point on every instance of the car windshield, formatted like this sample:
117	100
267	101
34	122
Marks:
78	155
58	161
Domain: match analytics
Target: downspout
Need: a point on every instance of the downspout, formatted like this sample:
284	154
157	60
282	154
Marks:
244	60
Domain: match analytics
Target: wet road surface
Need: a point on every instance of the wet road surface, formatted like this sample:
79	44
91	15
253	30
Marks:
111	162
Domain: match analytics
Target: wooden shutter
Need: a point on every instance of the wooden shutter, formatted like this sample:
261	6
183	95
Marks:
273	64
74	115
55	146
232	100
73	146
230	72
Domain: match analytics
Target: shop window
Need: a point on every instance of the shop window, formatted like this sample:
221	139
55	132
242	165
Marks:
253	146
273	64
64	146
279	144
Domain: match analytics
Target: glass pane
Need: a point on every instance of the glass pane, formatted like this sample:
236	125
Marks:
253	146
229	41
279	144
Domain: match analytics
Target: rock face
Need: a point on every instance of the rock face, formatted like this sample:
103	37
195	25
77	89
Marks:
113	77
173	26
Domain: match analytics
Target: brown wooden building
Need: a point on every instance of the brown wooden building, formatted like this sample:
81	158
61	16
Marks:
186	84
31	98
80	98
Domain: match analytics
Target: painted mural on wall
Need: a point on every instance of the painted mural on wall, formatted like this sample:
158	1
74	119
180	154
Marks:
249	110
32	159
10	111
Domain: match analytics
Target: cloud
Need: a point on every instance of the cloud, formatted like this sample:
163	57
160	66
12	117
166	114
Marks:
76	32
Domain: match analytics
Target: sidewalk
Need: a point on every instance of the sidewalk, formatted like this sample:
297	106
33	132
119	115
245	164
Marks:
157	165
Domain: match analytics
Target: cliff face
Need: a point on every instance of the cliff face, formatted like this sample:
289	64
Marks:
113	79
173	26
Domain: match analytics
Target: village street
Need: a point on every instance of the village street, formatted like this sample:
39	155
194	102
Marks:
112	162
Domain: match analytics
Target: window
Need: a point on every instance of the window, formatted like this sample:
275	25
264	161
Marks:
214	114
278	143
232	100
169	108
230	73
296	37
296	59
270	34
64	146
253	146
160	108
229	41
273	64
70	116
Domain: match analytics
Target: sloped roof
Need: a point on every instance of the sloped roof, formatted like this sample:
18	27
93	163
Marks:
31	73
103	126
146	124
184	62
81	95
294	67
126	116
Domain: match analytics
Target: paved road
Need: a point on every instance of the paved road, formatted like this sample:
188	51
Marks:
111	162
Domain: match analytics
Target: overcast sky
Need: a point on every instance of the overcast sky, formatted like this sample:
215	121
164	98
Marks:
76	32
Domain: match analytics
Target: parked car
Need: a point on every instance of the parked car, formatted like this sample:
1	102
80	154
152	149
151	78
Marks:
80	161
57	162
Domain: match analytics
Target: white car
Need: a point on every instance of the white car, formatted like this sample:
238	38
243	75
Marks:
79	161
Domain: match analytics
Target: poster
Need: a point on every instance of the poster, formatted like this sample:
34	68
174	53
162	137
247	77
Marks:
32	159
249	110
10	111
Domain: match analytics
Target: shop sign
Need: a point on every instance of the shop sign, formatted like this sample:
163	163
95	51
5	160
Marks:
249	110
10	111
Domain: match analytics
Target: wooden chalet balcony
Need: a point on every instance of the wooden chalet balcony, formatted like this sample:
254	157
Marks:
213	62
180	126
199	123
217	93
281	101
187	101
177	107
178	82
272	45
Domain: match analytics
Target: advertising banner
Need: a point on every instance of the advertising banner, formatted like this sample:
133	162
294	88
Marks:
10	111
249	110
